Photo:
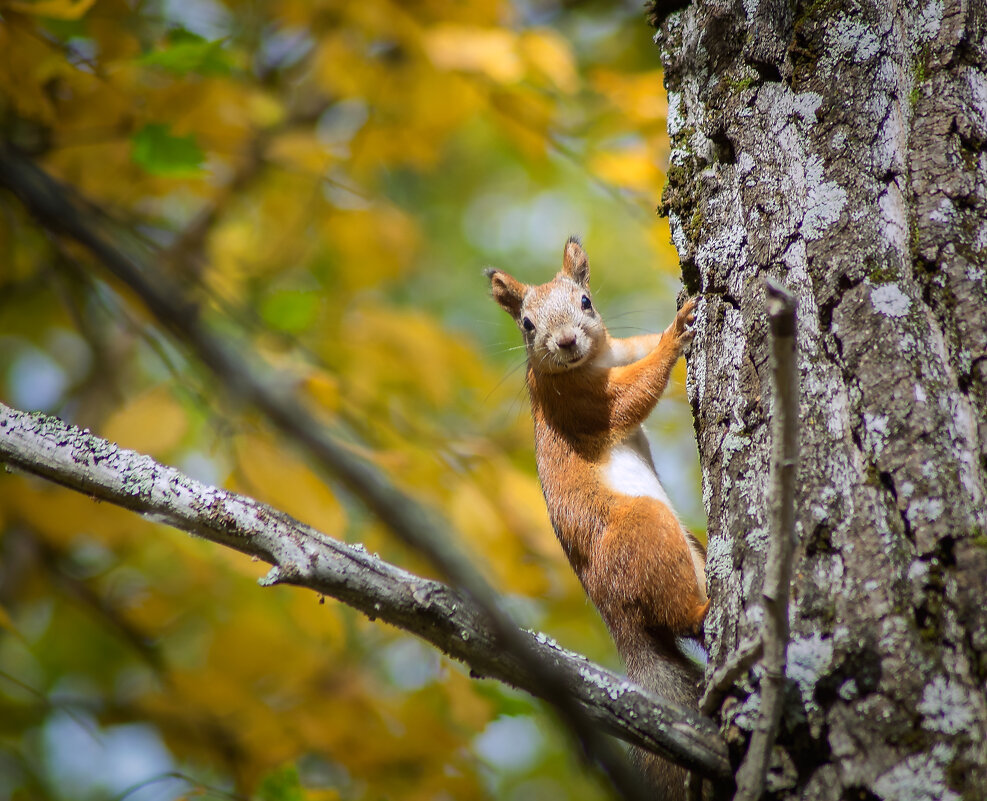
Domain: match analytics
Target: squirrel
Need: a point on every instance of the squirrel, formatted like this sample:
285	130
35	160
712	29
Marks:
590	393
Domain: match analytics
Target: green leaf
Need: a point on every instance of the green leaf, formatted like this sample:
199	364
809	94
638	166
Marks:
161	153
290	311
186	52
281	784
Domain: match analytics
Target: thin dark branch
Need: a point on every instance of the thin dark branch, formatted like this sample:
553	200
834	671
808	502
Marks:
63	213
726	676
300	555
173	775
778	571
53	561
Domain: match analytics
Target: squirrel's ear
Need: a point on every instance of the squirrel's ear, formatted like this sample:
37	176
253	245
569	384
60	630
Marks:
575	264
507	291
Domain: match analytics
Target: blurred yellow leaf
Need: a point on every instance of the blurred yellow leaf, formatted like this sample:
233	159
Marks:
490	51
471	708
61	515
318	619
322	795
636	95
151	423
549	55
472	513
27	64
234	246
265	111
409	353
371	245
660	238
338	67
217	113
632	168
260	237
55	9
519	497
221	695
323	388
276	476
677	382
300	150
526	118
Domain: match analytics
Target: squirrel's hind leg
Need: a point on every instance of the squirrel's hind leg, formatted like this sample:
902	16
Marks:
643	570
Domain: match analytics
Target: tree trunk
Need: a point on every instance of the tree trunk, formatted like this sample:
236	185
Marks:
842	149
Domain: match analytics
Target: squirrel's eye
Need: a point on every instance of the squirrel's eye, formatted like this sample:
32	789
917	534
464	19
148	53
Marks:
587	305
528	325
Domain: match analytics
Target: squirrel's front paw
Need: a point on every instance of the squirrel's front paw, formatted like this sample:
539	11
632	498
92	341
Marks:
683	328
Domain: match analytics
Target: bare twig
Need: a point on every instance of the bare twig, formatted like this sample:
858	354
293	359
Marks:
778	571
726	676
59	452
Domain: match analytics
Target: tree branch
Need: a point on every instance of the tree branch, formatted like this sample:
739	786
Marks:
778	571
302	556
726	676
63	213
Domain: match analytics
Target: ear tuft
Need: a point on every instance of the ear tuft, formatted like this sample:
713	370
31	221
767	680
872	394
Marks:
575	263
507	291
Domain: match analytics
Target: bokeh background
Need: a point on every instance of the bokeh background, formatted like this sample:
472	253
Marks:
328	179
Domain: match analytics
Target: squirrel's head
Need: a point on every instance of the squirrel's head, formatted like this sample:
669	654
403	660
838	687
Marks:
561	329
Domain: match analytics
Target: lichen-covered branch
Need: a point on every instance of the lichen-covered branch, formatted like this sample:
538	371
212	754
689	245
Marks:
61	212
302	556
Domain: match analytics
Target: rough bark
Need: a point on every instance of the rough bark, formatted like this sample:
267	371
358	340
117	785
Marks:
841	148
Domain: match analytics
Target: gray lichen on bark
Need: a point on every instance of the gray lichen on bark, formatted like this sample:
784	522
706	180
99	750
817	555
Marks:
842	149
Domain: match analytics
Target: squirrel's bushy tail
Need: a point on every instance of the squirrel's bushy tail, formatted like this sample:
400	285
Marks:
667	671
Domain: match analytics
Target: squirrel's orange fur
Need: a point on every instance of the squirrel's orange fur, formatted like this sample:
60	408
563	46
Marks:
590	393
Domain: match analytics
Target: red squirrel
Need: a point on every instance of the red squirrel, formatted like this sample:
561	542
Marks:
590	393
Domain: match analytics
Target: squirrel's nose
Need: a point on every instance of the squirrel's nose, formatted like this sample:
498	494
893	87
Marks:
566	341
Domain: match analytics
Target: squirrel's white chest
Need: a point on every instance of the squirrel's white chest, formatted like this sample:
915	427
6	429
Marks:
630	470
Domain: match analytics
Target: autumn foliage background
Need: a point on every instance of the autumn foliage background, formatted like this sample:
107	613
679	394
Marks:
328	180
